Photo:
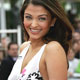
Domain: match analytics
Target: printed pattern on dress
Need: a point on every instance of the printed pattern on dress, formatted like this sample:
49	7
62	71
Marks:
34	76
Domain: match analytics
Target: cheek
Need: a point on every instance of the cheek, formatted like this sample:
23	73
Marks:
26	24
45	26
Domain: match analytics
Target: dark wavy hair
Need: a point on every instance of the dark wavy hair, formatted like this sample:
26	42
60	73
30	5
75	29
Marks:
62	30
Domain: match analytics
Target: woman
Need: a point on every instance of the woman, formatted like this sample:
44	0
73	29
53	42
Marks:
49	34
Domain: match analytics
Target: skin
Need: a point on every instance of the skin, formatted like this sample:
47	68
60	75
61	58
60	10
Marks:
53	64
1	55
13	51
71	54
40	21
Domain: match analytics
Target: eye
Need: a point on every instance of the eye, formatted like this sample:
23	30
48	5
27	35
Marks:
28	17
42	19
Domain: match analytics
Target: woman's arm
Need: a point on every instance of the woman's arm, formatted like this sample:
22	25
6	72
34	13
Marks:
56	61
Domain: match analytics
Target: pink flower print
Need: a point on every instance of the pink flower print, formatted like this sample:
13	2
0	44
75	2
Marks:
23	72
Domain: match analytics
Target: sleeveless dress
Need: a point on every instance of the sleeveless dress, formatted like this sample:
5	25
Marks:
31	71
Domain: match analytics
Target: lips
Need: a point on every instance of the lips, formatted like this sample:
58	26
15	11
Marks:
35	31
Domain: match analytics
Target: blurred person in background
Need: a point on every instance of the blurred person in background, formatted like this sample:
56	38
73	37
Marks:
79	45
8	62
73	63
76	43
2	53
77	21
78	50
76	36
4	43
75	47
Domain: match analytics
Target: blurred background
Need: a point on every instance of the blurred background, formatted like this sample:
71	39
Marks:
10	30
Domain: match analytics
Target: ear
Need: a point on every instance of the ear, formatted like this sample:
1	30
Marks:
53	21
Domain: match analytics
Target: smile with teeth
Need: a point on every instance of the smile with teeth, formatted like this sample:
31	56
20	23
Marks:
35	30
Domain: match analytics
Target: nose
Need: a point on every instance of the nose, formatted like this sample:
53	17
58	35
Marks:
34	23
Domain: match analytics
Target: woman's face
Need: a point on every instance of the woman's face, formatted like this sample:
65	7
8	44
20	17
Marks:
71	54
37	21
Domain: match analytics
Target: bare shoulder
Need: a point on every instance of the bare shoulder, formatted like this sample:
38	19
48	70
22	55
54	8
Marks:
55	49
56	62
54	46
23	45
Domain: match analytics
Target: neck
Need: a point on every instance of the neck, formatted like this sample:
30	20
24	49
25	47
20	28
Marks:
36	44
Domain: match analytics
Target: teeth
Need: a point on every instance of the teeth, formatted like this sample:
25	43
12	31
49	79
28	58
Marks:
33	30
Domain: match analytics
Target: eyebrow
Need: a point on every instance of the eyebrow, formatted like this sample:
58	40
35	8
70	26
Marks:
27	14
39	15
43	15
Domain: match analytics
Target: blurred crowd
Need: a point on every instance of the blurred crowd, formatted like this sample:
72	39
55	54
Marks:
8	56
74	52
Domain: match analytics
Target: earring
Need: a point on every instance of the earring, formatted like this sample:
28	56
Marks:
52	25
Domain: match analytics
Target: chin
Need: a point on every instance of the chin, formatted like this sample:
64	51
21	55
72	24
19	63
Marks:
35	38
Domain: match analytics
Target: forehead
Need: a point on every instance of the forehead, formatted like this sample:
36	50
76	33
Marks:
36	9
14	45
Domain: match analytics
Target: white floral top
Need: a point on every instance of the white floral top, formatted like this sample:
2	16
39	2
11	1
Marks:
31	71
